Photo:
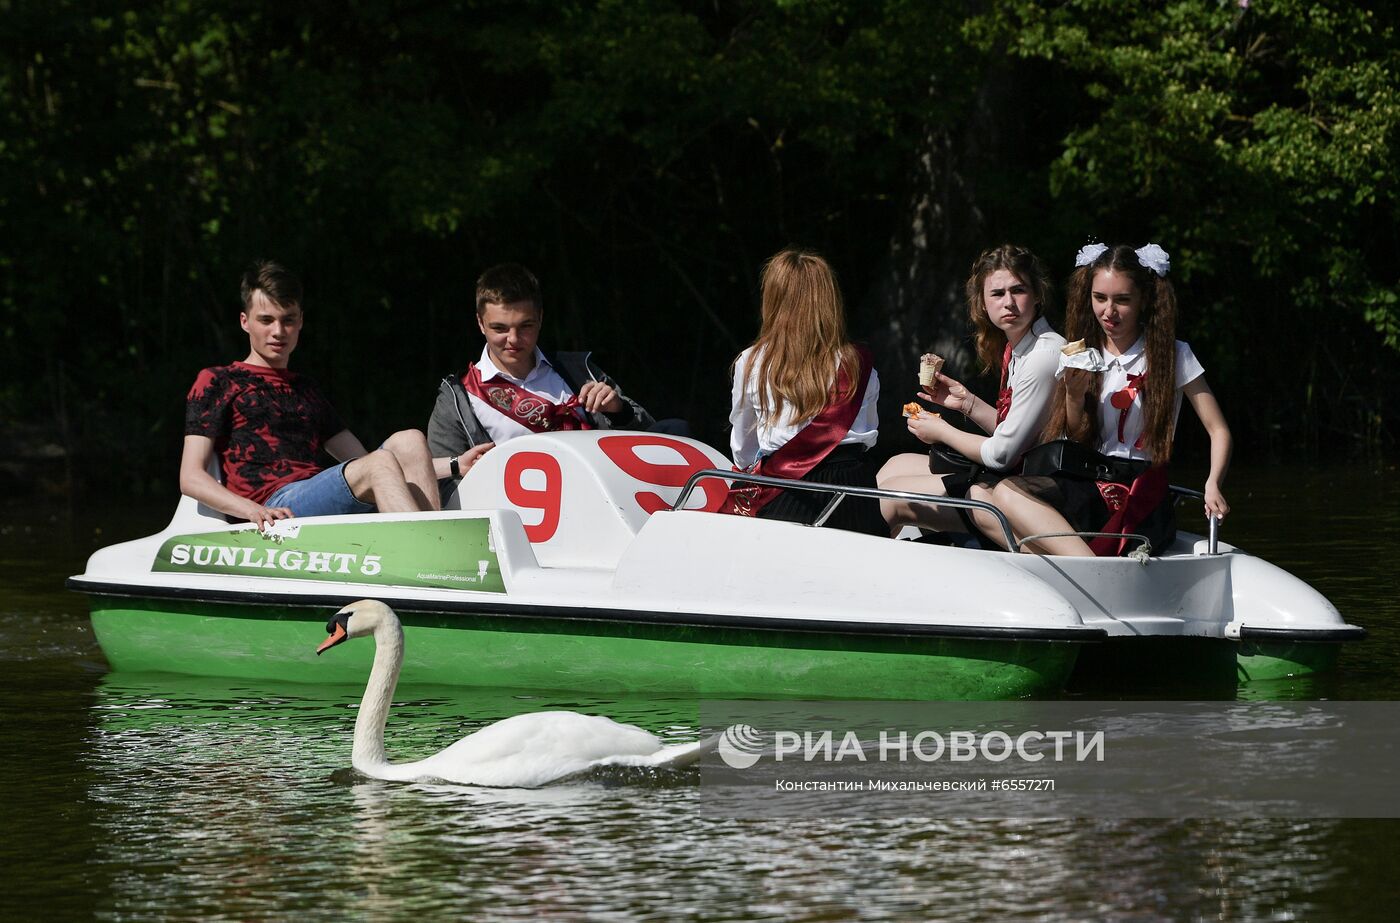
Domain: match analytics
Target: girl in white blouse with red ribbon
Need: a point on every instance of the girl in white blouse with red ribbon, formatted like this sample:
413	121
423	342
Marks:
1122	305
1008	293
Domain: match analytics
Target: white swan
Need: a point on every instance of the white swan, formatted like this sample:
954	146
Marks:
519	752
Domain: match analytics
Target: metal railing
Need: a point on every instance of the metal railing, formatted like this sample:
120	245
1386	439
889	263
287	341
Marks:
840	492
1213	539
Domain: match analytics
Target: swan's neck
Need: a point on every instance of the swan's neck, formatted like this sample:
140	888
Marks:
379	694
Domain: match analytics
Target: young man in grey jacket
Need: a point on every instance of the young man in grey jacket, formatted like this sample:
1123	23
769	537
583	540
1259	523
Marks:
516	388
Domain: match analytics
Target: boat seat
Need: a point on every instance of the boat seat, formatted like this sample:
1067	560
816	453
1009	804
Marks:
189	510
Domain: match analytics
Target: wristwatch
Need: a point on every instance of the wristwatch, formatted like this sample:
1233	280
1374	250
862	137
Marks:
454	467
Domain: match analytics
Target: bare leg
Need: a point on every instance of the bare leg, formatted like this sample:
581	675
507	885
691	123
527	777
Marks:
377	478
900	513
410	448
1030	515
909	464
988	524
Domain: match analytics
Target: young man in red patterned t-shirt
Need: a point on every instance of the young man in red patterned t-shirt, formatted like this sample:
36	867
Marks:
267	426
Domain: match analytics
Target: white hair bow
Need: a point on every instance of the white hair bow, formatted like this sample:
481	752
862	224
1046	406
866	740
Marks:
1088	253
1154	258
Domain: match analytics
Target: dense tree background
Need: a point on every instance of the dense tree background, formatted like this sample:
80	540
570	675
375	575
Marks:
645	157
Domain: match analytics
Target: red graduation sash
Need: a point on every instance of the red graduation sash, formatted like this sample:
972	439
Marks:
808	447
531	411
1130	506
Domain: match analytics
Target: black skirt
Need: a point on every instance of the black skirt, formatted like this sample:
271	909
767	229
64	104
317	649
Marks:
958	480
844	465
1082	505
959	473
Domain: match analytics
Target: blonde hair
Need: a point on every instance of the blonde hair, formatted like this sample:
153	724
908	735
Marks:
804	326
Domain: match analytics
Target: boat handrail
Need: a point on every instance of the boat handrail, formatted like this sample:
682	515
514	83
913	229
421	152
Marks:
1145	548
840	492
1213	539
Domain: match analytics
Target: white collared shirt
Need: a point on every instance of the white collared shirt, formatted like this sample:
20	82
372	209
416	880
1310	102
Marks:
542	380
1115	378
750	440
1031	378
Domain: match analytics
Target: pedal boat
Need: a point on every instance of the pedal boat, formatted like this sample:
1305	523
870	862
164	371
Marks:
595	561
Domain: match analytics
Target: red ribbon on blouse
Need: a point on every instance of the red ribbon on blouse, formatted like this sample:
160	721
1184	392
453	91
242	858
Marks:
1004	393
1130	505
1123	402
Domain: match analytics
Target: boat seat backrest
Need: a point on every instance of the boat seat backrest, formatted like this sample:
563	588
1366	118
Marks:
190	511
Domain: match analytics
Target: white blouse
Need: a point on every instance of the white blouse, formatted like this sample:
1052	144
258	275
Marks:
1031	378
1115	379
751	440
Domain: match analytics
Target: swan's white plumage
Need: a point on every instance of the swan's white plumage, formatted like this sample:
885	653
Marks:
523	751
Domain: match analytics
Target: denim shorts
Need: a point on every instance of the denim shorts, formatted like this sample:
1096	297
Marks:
324	494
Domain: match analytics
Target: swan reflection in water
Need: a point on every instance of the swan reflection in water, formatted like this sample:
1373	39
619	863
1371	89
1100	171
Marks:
523	751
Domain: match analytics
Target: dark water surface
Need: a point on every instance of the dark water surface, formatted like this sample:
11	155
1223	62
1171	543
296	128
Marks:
154	797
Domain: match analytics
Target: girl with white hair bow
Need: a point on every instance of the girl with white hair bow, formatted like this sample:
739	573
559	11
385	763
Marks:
1124	404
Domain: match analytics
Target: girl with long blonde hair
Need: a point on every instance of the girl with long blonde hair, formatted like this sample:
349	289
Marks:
804	399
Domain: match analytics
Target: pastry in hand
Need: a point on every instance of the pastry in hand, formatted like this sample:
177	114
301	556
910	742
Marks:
912	409
1078	356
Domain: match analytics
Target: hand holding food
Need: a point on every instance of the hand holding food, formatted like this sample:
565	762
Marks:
1078	355
929	367
946	392
1076	383
925	427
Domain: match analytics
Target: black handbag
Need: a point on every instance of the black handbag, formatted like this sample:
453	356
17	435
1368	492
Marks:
943	460
1069	459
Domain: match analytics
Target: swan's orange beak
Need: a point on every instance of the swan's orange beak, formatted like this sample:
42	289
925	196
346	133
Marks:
337	636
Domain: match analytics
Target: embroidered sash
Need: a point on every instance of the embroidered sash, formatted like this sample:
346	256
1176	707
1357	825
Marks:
531	411
1130	507
807	448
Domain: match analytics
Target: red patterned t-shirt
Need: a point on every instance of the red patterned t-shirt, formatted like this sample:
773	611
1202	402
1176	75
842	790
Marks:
268	425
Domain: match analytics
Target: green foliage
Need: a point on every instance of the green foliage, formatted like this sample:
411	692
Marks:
1257	143
645	157
632	151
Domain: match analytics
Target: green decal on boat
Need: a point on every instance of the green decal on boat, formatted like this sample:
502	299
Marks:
450	553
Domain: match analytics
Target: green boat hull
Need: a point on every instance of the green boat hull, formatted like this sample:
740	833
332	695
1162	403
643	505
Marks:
278	642
1201	664
1265	660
